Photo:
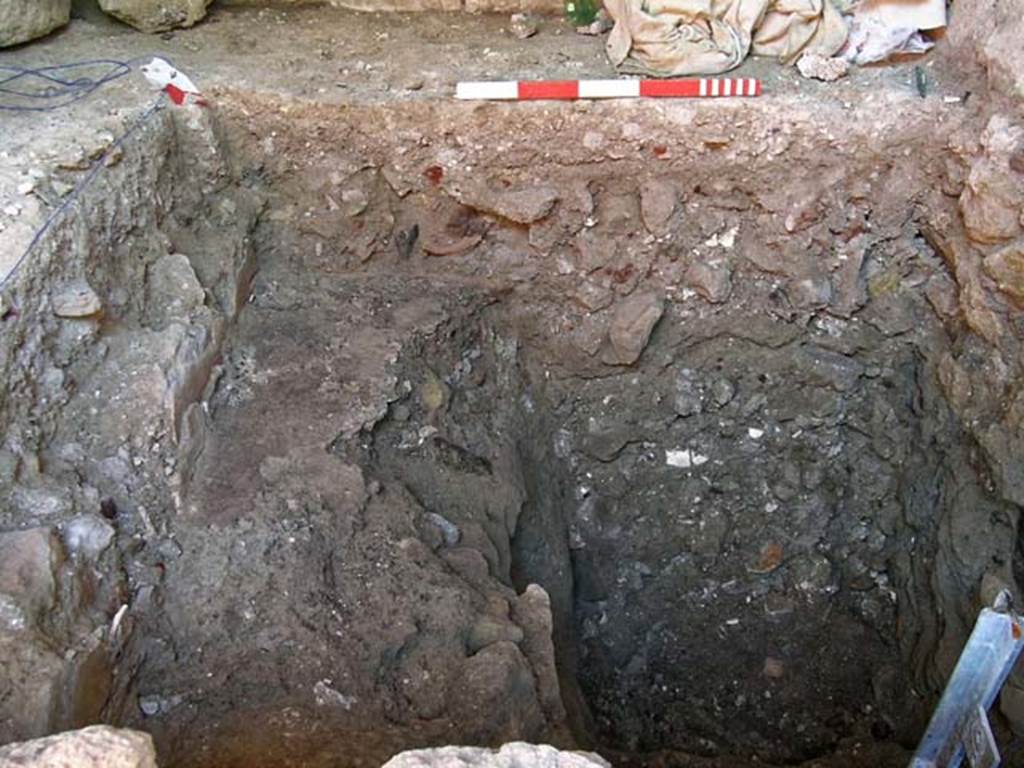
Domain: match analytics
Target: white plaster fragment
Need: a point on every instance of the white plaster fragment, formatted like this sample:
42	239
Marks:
680	459
685	458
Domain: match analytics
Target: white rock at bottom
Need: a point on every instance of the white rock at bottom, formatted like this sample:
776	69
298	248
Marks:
512	755
98	746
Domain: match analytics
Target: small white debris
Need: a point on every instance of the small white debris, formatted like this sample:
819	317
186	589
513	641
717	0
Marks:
680	459
522	25
725	239
150	705
118	618
684	459
327	696
450	532
755	433
951	99
147	523
88	536
818	67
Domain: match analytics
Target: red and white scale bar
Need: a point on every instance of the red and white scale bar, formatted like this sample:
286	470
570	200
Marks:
569	90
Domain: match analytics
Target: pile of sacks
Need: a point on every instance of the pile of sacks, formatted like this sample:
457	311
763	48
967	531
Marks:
665	38
704	37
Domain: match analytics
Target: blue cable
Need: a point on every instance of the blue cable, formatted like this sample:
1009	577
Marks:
54	87
58	84
97	166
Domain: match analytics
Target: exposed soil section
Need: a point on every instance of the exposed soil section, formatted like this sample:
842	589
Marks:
738	520
688	432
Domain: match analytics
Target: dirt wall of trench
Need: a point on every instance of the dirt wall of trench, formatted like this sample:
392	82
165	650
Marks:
860	244
105	431
108	332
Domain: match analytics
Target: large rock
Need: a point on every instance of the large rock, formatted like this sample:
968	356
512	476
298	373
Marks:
658	200
28	576
989	32
24	20
99	746
55	671
173	290
30	685
156	15
631	328
993	196
31	670
511	755
523	205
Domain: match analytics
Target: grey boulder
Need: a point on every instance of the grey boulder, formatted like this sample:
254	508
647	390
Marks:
156	15
24	20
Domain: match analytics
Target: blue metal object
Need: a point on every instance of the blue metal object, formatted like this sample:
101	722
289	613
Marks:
960	728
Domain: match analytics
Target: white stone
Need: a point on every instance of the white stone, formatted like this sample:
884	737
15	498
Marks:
631	327
726	239
513	755
88	535
678	459
685	458
326	696
98	746
522	25
818	67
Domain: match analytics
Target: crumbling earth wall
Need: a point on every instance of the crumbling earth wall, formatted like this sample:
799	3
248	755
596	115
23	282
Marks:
109	329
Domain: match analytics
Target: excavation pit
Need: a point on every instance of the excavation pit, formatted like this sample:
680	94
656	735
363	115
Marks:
713	377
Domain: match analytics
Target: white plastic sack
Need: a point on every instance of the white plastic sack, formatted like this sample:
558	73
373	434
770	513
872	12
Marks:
873	39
